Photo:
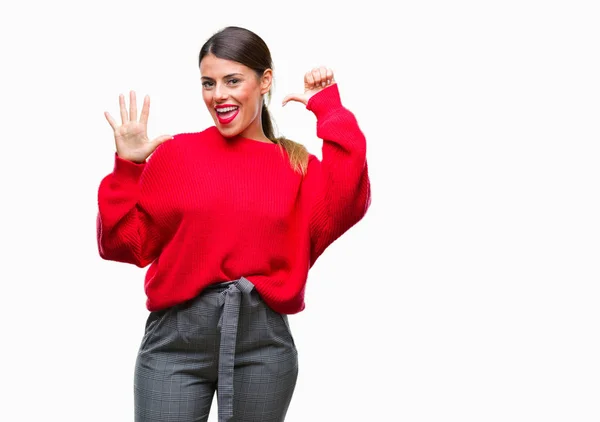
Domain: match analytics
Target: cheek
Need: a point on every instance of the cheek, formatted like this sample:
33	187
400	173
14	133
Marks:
250	99
207	97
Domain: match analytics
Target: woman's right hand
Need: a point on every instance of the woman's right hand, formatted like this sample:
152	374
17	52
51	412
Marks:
131	138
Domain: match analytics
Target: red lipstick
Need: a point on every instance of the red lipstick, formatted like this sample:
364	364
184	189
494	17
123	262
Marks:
226	113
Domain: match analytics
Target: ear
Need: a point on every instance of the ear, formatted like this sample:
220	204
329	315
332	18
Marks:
266	81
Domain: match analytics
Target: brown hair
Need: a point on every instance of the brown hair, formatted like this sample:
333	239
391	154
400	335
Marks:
245	47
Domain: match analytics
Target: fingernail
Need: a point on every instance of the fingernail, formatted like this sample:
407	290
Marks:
323	83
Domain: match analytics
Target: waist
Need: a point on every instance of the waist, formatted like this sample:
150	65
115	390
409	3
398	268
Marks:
166	287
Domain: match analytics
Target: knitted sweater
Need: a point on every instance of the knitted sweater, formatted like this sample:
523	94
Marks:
204	209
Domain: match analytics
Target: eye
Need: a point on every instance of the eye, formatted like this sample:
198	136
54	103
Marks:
207	84
233	81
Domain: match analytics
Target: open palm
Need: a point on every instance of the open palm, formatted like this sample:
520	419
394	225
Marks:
131	137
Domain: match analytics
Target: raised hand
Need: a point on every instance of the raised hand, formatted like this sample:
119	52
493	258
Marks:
314	81
131	137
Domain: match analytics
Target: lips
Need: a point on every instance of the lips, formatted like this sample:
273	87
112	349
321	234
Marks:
226	113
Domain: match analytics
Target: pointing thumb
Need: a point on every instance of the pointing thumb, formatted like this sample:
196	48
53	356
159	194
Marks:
159	140
292	97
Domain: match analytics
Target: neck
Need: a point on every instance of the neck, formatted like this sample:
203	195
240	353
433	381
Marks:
256	133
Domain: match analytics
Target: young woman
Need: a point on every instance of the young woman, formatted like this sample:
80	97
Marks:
230	220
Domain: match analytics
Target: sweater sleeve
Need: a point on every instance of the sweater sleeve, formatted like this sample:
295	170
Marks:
125	230
339	182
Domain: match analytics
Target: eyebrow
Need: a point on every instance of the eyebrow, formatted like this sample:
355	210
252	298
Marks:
224	77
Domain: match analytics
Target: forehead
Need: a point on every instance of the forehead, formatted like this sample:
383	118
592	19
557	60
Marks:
214	67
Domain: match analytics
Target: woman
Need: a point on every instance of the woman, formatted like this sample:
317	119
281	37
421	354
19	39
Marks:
230	220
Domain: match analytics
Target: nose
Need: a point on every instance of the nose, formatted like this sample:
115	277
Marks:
220	93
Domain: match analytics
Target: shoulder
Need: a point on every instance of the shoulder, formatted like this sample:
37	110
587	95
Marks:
313	161
186	137
313	167
183	140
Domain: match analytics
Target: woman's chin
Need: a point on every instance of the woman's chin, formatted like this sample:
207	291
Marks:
227	132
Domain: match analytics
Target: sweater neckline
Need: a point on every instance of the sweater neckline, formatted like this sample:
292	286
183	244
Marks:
241	139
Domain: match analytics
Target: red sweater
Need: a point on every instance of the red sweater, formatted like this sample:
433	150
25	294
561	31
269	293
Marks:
205	209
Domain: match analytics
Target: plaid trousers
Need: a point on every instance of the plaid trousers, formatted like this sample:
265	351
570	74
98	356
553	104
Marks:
225	340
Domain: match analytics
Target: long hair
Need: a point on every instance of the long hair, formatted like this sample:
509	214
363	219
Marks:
244	46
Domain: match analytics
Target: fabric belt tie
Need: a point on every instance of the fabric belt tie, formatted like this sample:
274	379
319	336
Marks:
229	326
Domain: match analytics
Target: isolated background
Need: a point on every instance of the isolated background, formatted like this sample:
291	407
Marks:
470	291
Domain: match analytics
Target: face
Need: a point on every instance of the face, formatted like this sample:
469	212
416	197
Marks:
233	94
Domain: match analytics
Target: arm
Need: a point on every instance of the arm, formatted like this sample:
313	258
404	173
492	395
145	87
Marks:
339	184
125	230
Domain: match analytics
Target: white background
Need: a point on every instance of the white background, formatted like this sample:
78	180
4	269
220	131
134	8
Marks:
470	291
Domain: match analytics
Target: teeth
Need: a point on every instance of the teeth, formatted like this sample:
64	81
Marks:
226	109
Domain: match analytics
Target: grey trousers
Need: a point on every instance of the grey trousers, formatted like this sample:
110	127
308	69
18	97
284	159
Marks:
225	340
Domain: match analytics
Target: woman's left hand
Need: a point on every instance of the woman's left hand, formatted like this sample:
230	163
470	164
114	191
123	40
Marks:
314	81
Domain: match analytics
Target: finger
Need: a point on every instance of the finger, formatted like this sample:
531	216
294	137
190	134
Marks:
111	121
122	109
145	110
329	76
309	81
159	140
132	106
316	76
323	75
291	97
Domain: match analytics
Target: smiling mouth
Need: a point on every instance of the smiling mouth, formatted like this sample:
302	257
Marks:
227	114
